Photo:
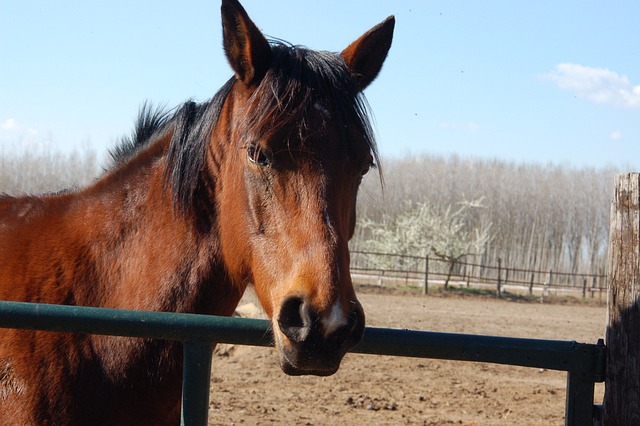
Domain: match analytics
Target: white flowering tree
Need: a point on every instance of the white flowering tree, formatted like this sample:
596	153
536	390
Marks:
422	230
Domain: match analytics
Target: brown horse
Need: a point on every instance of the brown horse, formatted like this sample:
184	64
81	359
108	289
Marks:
257	186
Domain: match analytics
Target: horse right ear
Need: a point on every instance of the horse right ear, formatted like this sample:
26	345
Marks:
247	50
366	55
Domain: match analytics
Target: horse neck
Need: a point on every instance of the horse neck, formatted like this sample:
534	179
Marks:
148	255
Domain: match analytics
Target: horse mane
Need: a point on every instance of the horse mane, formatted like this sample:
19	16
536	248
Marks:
192	124
150	120
298	80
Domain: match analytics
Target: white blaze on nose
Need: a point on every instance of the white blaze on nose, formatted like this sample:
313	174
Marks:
334	320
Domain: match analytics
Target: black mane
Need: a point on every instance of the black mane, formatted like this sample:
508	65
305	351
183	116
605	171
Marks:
297	81
150	120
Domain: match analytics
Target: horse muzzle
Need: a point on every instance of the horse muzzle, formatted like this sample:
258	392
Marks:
310	343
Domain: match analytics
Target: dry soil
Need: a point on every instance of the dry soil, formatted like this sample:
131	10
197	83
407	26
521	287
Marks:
248	387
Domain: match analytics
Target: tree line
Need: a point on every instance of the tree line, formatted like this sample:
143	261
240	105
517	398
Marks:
531	216
45	170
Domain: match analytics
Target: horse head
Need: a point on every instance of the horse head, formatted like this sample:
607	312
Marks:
297	142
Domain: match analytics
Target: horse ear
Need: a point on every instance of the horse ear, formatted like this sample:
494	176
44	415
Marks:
366	55
248	52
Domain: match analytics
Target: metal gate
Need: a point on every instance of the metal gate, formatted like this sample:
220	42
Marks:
584	363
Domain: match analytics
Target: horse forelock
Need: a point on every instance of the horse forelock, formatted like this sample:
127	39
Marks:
300	82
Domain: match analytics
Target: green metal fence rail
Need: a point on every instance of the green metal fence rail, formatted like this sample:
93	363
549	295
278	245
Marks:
584	363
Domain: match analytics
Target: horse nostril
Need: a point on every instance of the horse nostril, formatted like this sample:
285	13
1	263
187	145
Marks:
295	319
351	333
357	327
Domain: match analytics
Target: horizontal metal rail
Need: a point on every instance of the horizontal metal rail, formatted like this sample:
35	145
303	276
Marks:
583	362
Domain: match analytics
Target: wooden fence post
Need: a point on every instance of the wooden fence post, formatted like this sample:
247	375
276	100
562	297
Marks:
499	289
531	284
426	275
506	276
622	382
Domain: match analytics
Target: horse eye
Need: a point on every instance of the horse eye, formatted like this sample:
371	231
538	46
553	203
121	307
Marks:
258	156
365	169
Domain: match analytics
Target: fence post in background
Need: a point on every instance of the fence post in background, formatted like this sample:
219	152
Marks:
426	275
531	284
465	276
584	288
499	289
547	284
622	381
506	276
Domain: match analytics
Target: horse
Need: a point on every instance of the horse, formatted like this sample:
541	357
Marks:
256	186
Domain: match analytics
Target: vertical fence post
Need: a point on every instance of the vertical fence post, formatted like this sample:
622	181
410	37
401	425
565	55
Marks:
196	376
506	275
531	284
426	275
547	284
579	400
499	289
622	380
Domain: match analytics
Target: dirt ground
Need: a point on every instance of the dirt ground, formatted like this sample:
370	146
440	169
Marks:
248	387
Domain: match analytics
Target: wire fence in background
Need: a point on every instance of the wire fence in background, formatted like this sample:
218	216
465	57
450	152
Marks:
385	269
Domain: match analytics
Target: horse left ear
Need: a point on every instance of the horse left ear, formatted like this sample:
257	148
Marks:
248	52
366	55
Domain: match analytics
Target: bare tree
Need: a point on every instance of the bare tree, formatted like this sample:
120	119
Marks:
41	171
542	216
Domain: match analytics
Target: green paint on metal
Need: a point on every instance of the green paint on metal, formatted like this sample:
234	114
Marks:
116	322
583	362
196	378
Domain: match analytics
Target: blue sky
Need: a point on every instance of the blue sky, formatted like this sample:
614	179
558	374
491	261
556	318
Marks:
543	82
